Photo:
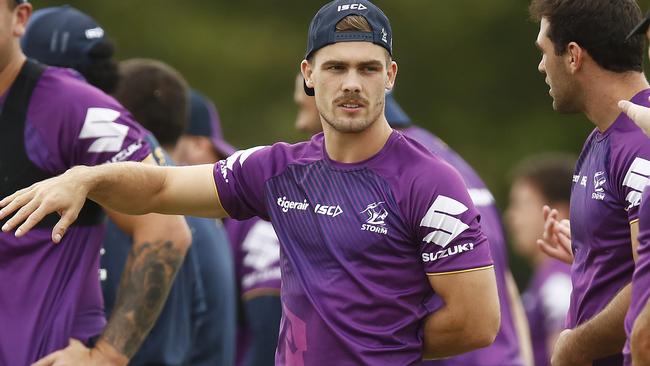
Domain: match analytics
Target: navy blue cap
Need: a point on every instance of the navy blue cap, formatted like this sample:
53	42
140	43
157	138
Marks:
21	1
640	28
395	115
322	30
205	121
61	36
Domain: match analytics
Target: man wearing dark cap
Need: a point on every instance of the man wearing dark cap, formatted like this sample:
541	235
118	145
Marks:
589	66
254	243
509	347
382	256
50	294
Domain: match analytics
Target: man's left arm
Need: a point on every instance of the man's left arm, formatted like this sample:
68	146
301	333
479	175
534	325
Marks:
601	336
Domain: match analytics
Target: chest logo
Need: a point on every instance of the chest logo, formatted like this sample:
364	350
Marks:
599	182
376	215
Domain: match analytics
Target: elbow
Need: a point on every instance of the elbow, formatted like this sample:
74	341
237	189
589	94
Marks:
486	332
640	346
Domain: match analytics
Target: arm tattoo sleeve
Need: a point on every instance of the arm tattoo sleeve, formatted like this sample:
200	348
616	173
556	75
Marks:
147	278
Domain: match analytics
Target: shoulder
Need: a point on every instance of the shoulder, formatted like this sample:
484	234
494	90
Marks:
273	160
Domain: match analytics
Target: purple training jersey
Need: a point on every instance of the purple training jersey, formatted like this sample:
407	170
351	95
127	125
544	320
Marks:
50	293
505	349
641	279
256	251
357	242
546	301
610	176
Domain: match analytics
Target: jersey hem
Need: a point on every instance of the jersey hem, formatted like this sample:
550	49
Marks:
460	271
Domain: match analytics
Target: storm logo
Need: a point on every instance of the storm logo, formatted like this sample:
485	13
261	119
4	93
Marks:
376	213
599	181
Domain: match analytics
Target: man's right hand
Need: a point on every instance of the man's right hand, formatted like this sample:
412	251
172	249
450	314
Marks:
556	238
64	194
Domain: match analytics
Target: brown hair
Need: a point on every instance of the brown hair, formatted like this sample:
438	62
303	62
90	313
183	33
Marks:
599	26
157	96
550	173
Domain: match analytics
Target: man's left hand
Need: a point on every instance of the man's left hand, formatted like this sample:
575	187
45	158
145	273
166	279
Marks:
76	354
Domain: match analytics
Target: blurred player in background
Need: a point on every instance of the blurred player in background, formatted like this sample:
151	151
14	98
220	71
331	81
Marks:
51	296
198	329
537	181
255	245
590	66
363	280
186	329
506	348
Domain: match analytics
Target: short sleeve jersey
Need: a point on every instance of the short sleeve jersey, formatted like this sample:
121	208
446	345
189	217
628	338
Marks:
641	279
610	175
357	242
504	350
54	293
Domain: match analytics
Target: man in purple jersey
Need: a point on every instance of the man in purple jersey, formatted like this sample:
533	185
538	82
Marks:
255	245
51	297
508	348
590	66
537	181
382	256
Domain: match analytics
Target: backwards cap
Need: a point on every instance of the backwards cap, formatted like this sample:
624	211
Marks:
322	30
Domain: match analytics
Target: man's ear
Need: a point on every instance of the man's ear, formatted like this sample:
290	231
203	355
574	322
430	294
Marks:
307	71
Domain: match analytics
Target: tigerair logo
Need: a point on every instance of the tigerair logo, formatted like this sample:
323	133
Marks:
376	218
352	7
292	205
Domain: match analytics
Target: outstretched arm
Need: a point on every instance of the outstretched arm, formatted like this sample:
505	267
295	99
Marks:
132	188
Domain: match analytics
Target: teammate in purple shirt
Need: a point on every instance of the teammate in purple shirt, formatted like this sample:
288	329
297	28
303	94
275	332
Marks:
255	246
537	181
637	320
506	348
382	255
50	294
590	66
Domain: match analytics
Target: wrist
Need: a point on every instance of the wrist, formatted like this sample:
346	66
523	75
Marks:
83	176
110	354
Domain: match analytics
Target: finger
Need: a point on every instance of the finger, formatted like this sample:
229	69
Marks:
565	243
16	203
564	228
545	211
29	205
33	219
632	110
47	360
62	226
5	201
566	222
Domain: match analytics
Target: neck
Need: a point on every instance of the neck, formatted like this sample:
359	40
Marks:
607	88
356	147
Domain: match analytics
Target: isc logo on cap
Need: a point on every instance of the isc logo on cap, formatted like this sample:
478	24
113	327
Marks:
352	7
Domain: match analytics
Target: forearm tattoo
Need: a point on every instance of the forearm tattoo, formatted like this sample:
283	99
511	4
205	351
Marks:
148	275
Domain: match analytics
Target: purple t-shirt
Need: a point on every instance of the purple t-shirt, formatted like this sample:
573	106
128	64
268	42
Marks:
546	301
356	244
50	293
610	176
505	349
256	251
640	287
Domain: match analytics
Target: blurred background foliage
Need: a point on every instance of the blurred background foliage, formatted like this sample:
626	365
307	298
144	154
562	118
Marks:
467	71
